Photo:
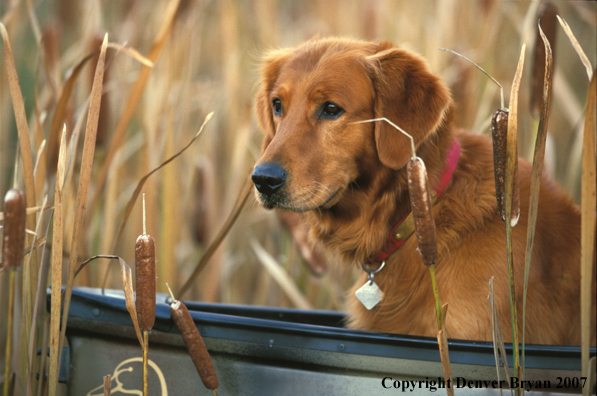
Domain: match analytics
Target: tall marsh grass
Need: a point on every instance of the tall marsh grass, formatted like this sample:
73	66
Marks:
204	57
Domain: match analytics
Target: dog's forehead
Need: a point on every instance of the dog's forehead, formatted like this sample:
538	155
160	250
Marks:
311	57
319	67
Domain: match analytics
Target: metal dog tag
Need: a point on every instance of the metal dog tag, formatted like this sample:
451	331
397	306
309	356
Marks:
369	294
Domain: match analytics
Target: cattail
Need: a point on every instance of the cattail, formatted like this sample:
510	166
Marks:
192	339
107	385
146	288
13	241
420	200
499	134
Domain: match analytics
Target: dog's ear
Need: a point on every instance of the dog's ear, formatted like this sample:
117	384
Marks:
270	69
410	96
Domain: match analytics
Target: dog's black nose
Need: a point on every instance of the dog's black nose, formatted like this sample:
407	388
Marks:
268	177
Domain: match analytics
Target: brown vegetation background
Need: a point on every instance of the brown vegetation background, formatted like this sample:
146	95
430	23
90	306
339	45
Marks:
210	62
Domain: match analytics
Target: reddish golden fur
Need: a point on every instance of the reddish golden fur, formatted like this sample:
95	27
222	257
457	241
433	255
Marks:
349	181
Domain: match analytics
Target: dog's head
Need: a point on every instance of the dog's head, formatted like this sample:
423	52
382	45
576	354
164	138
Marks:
308	105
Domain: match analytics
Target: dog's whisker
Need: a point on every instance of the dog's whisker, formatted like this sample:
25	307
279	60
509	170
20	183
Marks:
310	201
326	194
329	191
315	205
323	185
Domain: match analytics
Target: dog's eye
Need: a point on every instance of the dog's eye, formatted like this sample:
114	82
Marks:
277	105
331	110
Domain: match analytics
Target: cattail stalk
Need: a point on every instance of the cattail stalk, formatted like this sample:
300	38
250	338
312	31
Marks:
436	296
145	363
442	340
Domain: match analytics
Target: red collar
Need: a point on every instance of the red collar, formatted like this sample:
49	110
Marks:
405	227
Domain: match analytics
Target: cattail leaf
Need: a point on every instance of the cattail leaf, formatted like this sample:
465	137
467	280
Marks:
588	219
141	183
60	112
537	169
37	296
512	188
494	324
547	31
37	243
133	53
126	278
84	179
512	192
32	210
129	296
496	334
56	262
442	340
575	44
39	169
34	22
20	117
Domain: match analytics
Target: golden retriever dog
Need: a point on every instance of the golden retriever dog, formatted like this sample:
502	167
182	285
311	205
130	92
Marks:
349	182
